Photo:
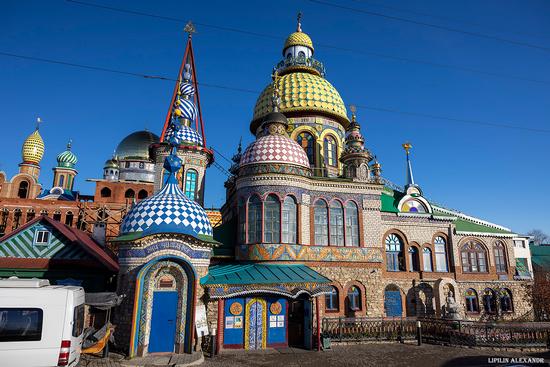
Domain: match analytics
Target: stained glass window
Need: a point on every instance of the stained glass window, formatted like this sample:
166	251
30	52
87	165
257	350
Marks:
471	301
354	298
352	224
191	184
336	224
272	217
394	253
331	156
413	206
307	142
320	221
331	300
473	258
440	254
289	220
505	300
489	301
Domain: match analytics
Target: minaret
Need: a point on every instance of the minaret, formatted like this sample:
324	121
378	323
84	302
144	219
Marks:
32	152
184	125
64	173
356	157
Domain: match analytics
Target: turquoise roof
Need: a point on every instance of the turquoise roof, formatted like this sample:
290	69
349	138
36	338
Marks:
259	273
540	256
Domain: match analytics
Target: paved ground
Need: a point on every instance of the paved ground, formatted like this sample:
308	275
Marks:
390	355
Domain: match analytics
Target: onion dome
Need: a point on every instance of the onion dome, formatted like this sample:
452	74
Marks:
183	134
66	159
136	145
355	142
111	163
33	148
302	92
298	39
168	211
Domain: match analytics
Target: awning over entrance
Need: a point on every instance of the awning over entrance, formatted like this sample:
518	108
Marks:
228	280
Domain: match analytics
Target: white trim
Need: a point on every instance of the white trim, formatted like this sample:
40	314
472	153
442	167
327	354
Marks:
486	234
472	219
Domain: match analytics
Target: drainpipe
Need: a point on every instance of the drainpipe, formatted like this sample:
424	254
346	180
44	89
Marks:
318	324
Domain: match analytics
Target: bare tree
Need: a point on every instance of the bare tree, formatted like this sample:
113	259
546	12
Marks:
539	237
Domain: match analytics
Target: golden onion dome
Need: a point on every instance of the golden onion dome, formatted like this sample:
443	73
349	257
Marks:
302	92
298	39
33	148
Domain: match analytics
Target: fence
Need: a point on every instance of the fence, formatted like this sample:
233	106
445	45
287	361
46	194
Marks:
439	331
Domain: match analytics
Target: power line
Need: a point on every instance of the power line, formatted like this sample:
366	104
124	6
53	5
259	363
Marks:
257	92
430	25
221	155
322	45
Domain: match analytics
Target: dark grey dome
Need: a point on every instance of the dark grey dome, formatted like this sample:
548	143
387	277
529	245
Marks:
136	145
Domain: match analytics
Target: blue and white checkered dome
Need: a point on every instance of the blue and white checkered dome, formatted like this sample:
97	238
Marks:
168	211
184	135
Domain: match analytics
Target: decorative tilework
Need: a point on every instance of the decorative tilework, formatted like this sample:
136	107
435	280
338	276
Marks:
275	149
164	245
184	134
287	290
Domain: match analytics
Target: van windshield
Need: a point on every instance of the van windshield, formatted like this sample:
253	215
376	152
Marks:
20	324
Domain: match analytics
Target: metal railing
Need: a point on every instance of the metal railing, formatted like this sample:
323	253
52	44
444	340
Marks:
368	329
301	61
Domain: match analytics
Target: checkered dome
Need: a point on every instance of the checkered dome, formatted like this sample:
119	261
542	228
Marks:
275	149
168	211
184	135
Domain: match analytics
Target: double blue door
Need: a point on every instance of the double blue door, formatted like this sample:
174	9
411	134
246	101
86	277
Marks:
392	304
163	322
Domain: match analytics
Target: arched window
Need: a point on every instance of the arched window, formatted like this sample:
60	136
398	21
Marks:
394	253
57	216
61	180
307	142
288	56
105	192
414	262
354	298
272	218
142	194
23	190
16	218
242	221
506	300
30	215
289	220
352	224
413	206
129	194
427	259
471	301
440	246
331	300
500	258
331	155
69	218
191	184
320	223
141	165
336	224
254	220
301	54
489	301
473	258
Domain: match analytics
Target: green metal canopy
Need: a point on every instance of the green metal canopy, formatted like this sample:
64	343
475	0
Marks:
226	280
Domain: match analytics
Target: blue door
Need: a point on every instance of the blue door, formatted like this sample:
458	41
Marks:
392	304
163	322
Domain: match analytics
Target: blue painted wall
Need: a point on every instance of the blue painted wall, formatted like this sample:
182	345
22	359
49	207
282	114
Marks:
277	334
233	336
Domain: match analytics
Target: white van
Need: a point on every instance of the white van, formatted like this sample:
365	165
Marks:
41	325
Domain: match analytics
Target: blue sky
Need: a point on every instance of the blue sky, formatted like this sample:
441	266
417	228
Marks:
497	174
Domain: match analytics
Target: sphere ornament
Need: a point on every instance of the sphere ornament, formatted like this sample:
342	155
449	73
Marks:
33	148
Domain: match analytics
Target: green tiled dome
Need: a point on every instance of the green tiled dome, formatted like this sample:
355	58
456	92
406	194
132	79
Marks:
67	158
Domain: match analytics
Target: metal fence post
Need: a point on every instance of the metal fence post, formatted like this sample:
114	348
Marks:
419	332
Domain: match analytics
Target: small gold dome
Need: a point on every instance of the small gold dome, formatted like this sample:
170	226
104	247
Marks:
298	39
302	92
33	148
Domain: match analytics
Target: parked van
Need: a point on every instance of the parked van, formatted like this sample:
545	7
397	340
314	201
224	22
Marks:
41	325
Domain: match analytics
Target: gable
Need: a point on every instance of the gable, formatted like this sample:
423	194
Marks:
24	244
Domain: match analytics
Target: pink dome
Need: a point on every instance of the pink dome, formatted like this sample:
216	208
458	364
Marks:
275	149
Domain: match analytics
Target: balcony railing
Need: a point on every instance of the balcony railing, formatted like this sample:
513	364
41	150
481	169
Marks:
301	61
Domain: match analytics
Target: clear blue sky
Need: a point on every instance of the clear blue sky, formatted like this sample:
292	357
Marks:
497	174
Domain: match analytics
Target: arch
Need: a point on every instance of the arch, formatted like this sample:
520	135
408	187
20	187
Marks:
505	300
105	192
289	220
140	323
352	224
191	183
499	253
57	215
241	212
61	180
301	54
16	218
440	250
489	301
332	300
427	259
393	301
69	217
336	222
330	148
472	303
308	141
272	219
142	194
320	222
394	245
130	194
473	255
254	220
23	190
353	299
414	258
30	215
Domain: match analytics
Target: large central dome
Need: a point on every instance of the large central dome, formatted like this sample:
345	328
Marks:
302	92
136	145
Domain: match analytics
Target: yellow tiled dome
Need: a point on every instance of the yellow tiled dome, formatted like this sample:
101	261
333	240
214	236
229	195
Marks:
33	148
298	39
302	92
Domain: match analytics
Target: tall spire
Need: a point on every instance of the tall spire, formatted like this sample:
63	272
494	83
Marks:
410	178
299	22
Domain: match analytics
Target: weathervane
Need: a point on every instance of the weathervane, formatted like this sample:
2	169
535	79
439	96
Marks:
407	146
353	110
299	27
190	28
38	122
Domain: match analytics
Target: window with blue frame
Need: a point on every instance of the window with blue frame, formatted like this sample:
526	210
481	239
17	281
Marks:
472	304
331	300
191	184
394	253
354	298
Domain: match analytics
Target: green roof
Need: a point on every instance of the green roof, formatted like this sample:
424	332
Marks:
225	233
389	201
540	256
258	273
463	225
